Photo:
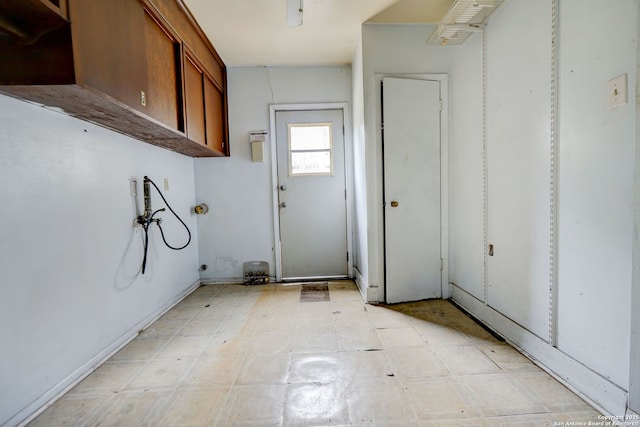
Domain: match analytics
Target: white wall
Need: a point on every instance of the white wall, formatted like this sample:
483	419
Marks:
595	217
239	226
394	49
634	365
595	188
69	254
361	237
518	129
466	176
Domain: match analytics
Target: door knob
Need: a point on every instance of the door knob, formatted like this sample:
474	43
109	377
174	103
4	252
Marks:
394	204
283	204
283	187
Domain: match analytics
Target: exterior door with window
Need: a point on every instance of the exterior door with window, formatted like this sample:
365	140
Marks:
312	194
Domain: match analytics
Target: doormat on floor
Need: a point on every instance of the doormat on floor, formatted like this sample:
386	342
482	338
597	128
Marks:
314	292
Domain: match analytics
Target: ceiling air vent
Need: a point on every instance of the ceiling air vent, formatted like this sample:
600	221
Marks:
463	18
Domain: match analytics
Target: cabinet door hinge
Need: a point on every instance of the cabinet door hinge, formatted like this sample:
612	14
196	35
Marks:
347	256
441	264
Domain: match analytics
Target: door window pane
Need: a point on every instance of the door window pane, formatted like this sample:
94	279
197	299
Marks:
310	149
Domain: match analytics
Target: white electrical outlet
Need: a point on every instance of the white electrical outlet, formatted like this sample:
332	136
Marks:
166	184
618	91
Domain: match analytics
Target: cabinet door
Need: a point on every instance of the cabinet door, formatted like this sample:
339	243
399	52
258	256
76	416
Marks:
215	116
109	47
162	97
194	93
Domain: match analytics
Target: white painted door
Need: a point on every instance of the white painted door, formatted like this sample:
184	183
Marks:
411	144
312	193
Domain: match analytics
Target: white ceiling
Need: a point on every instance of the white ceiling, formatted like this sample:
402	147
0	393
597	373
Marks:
254	32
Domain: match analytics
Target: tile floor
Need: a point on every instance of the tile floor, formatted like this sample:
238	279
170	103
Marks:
258	356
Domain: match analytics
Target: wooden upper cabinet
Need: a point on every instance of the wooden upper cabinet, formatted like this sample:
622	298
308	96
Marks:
161	98
122	64
194	95
109	47
205	106
216	116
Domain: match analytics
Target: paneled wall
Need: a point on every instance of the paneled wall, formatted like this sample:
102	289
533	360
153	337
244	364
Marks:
518	101
558	164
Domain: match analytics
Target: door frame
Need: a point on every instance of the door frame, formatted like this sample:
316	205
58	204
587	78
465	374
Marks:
443	79
348	162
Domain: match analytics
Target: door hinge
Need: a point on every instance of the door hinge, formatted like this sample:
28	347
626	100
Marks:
441	264
441	105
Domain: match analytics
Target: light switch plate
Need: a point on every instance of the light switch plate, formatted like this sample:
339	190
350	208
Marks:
618	91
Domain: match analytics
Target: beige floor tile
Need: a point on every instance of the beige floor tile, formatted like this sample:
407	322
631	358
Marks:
528	420
213	371
400	337
272	369
276	323
133	408
579	417
139	350
348	307
364	364
69	411
238	327
465	360
348	321
439	335
314	367
161	374
163	328
376	400
108	378
496	395
272	343
310	322
439	399
256	356
417	363
188	407
508	358
257	405
316	404
202	326
384	318
181	347
227	345
548	392
471	422
321	340
358	339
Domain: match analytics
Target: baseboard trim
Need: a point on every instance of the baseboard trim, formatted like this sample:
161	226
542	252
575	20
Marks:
602	394
227	280
368	293
35	408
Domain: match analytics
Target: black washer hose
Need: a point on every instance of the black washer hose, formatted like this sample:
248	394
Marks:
147	223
